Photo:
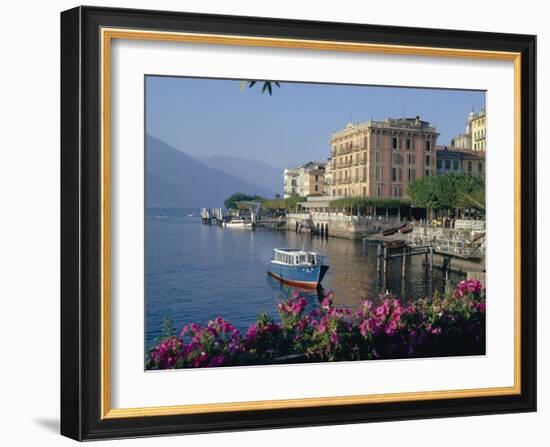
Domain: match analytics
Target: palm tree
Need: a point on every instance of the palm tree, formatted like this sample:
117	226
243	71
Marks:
266	87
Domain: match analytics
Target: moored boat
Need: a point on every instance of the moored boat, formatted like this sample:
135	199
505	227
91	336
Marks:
406	229
395	244
389	231
238	223
297	267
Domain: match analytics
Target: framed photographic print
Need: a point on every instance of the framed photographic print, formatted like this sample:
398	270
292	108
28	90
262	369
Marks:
275	223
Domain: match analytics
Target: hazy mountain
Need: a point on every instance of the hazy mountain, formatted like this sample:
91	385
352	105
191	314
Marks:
174	179
251	171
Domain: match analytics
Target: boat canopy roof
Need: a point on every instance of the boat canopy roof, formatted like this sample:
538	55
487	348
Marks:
293	251
294	256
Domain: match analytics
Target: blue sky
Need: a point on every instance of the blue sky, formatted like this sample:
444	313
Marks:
204	117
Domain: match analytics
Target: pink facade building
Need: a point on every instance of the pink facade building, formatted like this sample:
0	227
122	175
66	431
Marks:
379	158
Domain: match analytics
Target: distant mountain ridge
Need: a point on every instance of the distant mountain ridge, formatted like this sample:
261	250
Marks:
176	180
251	171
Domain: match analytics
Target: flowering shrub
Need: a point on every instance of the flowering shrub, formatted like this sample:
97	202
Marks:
452	325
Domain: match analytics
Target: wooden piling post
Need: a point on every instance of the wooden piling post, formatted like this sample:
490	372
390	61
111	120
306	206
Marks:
378	256
385	262
403	263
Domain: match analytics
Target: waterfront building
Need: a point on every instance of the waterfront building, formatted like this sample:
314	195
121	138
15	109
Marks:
462	141
305	180
473	137
290	182
379	158
451	161
328	178
478	126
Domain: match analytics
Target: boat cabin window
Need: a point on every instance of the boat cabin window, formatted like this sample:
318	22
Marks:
296	258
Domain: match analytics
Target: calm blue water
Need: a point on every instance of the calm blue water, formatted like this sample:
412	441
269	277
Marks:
196	272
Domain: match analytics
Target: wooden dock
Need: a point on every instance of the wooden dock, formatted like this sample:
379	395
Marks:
385	254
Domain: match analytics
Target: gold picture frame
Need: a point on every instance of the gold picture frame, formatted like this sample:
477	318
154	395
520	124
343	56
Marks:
517	49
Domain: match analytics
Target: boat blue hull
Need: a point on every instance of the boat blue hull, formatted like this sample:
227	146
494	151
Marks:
300	276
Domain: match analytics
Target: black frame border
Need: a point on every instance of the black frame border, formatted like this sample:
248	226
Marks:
81	223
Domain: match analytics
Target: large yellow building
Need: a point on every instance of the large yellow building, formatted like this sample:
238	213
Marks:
379	158
475	136
478	130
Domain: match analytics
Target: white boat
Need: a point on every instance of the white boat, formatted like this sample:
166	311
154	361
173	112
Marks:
238	223
297	267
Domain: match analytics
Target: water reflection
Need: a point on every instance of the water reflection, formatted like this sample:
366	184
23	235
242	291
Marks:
196	272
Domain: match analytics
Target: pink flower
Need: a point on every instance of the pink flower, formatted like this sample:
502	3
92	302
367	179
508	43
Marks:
391	328
326	303
364	328
322	325
252	332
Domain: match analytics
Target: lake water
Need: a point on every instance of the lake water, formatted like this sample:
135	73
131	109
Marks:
196	272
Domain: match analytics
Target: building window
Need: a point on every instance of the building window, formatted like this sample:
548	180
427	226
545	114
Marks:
316	178
377	156
394	142
377	171
396	174
427	160
409	144
378	190
455	165
469	167
316	188
427	172
364	191
397	159
428	145
447	164
480	166
438	164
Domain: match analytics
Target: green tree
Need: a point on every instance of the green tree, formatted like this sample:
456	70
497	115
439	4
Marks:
292	202
231	202
448	192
